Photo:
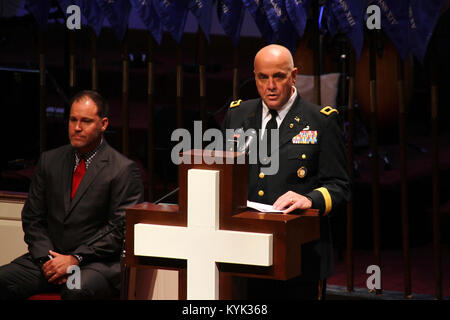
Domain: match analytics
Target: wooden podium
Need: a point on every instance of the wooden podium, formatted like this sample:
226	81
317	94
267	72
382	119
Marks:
287	231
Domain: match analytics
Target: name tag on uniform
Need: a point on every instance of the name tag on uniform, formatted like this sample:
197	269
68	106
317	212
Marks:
305	137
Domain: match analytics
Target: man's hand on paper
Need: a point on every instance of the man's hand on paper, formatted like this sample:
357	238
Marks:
286	203
291	201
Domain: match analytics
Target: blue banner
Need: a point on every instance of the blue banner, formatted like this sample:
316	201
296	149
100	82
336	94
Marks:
231	15
423	16
280	23
173	15
93	14
11	8
39	9
394	21
147	12
349	14
256	9
298	14
65	3
202	10
331	23
117	12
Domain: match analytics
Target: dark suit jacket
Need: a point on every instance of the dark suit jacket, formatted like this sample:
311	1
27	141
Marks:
51	220
325	181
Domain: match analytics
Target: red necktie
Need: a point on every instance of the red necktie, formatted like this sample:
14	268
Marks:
77	176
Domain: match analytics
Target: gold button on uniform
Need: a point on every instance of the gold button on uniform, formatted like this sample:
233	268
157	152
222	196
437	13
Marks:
291	125
301	172
261	175
260	193
303	156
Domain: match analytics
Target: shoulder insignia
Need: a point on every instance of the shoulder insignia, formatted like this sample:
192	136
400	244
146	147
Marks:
235	103
328	110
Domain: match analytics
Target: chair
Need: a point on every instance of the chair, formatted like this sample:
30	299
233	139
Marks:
46	296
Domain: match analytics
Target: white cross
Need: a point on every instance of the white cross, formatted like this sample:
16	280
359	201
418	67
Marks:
201	243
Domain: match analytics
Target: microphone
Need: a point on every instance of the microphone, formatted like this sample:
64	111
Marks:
249	139
234	142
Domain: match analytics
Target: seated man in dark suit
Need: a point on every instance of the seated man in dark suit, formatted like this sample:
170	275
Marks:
312	170
74	214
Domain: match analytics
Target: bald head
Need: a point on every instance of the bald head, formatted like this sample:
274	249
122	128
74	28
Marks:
275	52
275	75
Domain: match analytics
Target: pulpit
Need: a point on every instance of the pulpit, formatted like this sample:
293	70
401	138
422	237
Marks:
211	238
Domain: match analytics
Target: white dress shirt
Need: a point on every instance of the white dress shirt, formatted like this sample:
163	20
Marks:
281	113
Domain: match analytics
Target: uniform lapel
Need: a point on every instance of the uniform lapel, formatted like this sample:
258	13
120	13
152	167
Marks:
67	173
293	123
98	163
254	119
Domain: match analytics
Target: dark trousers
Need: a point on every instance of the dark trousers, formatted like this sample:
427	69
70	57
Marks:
23	278
293	289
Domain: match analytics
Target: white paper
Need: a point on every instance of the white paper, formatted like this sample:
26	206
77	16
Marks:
261	207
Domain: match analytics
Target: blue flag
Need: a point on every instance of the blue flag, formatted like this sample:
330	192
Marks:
423	16
280	23
349	14
147	12
39	9
394	21
93	14
11	8
117	12
231	15
173	15
298	14
256	9
64	4
331	23
202	10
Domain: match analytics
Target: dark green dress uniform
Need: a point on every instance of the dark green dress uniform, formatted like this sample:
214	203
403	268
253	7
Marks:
312	162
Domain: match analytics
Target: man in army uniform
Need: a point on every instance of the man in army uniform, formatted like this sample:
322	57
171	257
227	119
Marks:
312	166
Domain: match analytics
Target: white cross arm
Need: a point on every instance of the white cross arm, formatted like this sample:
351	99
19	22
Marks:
190	243
202	243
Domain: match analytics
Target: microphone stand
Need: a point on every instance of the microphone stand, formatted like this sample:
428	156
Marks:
167	195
